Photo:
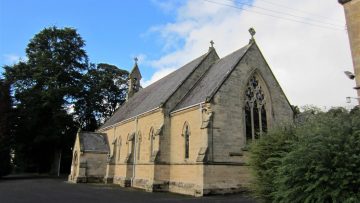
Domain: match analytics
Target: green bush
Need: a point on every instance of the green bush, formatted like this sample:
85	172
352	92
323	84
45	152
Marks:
321	162
266	155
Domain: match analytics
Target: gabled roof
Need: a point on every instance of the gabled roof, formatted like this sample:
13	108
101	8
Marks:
93	142
154	95
211	81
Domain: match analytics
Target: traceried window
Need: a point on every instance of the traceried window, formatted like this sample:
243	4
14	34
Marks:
186	134
255	113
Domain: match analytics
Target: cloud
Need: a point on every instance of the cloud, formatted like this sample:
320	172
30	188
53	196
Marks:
307	60
156	76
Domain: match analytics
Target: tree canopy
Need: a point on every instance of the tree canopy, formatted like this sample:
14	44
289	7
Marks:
55	92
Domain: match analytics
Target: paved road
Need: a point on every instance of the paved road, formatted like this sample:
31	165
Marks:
48	190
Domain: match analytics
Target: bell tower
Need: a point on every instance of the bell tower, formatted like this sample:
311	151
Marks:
134	80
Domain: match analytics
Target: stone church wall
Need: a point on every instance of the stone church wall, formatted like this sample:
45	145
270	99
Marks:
223	179
186	175
95	166
228	106
122	152
87	166
178	95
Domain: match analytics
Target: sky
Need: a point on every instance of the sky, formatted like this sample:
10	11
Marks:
304	42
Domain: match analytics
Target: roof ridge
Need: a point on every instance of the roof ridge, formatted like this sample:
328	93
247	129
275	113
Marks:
202	60
231	69
197	82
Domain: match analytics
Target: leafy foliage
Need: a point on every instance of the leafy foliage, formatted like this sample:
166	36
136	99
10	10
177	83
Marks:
266	155
321	162
104	90
55	92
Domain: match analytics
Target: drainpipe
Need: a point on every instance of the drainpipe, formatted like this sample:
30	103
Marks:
134	155
201	114
212	138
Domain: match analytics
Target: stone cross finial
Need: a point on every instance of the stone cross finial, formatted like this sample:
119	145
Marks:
212	43
136	60
252	32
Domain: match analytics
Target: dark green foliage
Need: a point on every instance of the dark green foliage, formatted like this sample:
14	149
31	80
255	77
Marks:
44	87
266	155
56	92
5	128
320	164
104	89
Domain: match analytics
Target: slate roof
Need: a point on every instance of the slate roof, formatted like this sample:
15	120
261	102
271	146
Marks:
155	94
93	142
212	79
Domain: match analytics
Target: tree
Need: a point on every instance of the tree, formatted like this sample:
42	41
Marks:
45	87
104	91
56	92
5	128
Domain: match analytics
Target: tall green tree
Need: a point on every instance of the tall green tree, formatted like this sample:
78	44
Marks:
56	92
105	89
45	87
5	127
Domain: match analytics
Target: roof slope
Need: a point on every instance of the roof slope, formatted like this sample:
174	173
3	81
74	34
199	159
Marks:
93	142
154	95
213	78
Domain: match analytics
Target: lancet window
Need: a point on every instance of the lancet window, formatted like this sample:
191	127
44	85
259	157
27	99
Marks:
186	134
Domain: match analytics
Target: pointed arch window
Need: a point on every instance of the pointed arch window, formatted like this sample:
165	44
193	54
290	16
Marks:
119	148
139	145
186	135
114	150
151	139
255	113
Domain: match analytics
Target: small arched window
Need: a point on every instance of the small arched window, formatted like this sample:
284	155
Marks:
186	134
119	148
115	147
151	139
139	144
75	159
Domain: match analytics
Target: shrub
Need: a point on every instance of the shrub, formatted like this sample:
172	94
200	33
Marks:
320	161
266	155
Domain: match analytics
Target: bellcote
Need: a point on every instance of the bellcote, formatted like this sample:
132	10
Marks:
134	80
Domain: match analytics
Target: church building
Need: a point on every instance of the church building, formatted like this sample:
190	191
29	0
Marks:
189	132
